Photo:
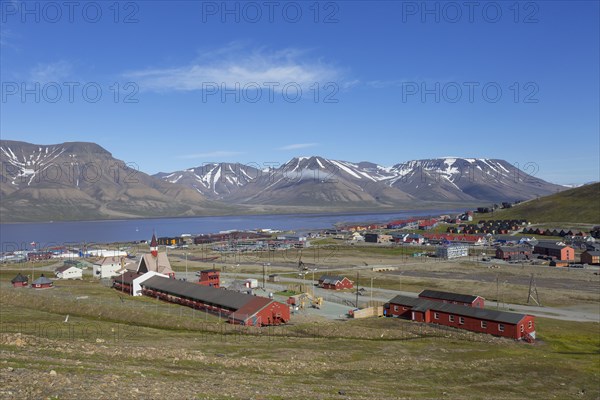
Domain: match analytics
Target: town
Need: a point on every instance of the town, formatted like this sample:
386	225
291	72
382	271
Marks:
275	286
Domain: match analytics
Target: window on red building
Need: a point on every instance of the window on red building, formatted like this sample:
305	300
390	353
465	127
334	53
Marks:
451	318
461	320
500	327
483	324
436	315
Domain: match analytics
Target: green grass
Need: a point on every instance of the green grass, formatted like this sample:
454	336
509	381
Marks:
575	205
312	360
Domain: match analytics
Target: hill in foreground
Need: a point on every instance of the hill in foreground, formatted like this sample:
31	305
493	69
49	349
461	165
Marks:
579	205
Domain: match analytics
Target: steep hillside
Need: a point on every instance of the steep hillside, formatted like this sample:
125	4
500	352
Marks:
579	205
83	181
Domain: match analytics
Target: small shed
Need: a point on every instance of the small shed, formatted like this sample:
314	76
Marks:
42	283
19	280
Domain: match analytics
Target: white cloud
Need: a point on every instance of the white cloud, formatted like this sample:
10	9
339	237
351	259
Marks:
50	72
211	154
231	66
297	146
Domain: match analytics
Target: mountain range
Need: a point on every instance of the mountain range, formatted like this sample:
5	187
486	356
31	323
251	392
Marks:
81	180
316	180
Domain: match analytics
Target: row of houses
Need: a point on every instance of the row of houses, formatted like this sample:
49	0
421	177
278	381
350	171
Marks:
440	238
461	312
562	232
552	250
492	227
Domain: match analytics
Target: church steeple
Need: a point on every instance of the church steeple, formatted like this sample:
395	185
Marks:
154	246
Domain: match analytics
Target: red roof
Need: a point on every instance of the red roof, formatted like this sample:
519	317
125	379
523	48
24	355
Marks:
251	307
153	242
452	238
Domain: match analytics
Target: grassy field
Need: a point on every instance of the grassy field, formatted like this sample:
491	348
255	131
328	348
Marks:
97	354
574	205
113	345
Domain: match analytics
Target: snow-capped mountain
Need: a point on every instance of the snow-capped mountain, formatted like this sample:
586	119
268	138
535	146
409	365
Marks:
455	179
318	180
79	180
214	180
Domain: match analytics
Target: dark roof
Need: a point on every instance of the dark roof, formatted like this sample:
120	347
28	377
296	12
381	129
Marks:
19	278
474	312
514	248
331	278
63	268
126	277
434	294
549	246
508	238
206	294
42	280
405	300
592	253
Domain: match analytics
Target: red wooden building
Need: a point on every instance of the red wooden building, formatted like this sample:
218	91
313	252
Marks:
590	257
453	298
335	282
565	253
498	323
19	280
210	277
239	308
42	283
513	252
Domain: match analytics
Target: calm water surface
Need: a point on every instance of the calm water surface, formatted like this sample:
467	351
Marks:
19	236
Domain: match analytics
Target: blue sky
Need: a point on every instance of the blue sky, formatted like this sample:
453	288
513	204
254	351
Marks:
385	82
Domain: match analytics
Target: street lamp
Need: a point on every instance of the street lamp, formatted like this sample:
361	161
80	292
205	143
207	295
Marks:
313	281
186	268
372	290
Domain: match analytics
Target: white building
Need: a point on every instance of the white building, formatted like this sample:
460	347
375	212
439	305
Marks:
68	272
105	253
452	251
107	267
137	282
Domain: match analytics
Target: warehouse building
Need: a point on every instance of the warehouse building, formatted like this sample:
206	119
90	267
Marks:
498	323
239	308
453	298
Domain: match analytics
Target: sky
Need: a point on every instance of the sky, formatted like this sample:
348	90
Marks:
174	85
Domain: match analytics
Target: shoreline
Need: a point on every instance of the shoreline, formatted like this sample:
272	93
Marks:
450	207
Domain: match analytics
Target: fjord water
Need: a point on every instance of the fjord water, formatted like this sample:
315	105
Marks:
46	234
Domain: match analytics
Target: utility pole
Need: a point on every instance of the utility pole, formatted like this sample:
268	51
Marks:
186	268
530	296
357	287
497	291
372	291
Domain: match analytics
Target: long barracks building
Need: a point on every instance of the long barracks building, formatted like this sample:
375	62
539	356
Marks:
475	319
239	308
